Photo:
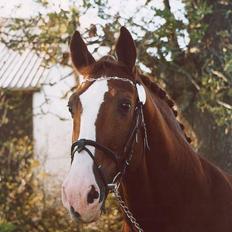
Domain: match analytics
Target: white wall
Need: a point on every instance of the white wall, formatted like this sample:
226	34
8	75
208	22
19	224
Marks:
52	136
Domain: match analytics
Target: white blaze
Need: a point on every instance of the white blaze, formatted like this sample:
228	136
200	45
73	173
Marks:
81	176
91	101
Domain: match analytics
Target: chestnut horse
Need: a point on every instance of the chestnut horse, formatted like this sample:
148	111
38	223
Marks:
126	138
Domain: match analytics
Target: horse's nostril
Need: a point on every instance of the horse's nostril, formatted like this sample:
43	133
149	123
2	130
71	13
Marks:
92	195
75	214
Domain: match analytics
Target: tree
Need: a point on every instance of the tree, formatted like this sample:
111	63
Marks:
197	75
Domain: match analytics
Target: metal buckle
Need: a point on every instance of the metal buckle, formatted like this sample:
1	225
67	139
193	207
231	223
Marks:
111	186
114	184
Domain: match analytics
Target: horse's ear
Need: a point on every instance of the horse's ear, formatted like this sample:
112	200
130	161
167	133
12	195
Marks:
80	55
125	48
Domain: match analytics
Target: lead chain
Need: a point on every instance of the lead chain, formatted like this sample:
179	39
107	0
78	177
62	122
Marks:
126	210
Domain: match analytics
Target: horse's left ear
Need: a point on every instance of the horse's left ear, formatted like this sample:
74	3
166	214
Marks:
125	48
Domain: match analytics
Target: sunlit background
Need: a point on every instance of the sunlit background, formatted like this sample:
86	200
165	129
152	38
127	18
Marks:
184	46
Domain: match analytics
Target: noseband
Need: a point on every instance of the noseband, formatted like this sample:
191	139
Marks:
127	152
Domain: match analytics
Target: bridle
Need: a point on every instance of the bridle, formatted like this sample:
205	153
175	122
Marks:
126	153
122	160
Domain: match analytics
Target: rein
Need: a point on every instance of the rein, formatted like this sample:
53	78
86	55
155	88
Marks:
124	157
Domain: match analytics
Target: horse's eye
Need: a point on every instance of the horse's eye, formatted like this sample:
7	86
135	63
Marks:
70	109
125	106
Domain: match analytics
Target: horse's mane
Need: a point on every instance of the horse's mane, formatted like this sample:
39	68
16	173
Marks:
151	85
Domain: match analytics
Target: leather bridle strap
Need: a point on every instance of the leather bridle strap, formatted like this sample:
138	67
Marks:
79	146
82	143
134	129
132	139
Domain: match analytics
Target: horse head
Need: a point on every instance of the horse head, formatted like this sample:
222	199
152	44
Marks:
107	115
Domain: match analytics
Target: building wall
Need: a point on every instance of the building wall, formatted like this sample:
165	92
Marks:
52	122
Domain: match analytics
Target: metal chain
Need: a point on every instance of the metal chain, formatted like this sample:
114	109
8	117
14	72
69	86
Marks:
126	210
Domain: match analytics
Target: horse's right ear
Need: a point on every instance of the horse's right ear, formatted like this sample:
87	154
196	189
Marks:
80	55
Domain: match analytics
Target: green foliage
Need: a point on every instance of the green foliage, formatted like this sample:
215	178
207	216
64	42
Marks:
47	34
197	12
6	227
15	160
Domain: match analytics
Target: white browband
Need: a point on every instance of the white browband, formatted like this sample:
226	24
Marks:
140	89
107	79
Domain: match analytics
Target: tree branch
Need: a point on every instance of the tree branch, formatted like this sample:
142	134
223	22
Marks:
172	38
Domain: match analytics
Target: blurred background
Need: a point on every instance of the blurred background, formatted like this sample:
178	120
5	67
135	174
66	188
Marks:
185	46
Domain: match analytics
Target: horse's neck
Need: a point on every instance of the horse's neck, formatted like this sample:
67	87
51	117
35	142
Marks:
171	188
169	151
158	180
